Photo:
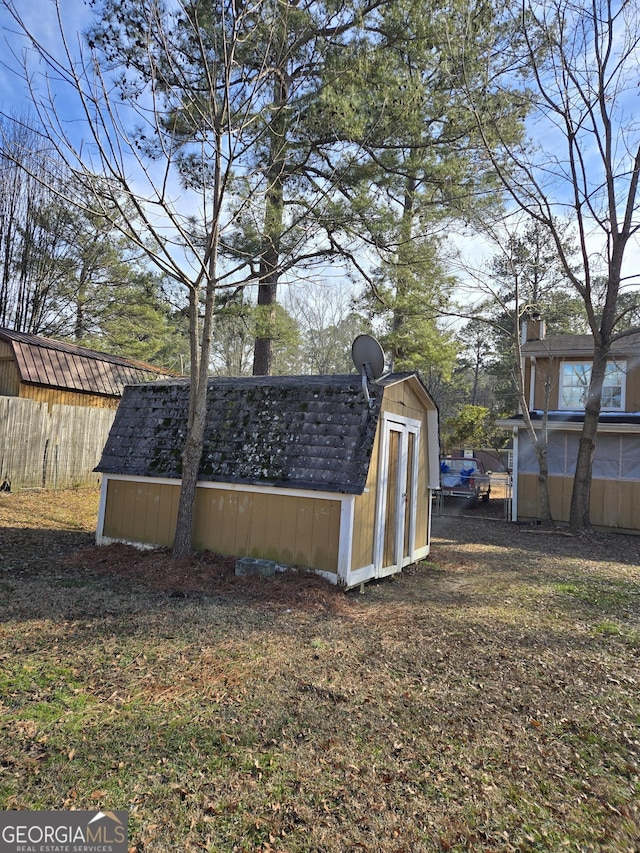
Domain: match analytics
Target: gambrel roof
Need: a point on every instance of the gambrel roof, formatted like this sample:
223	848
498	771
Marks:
57	364
303	432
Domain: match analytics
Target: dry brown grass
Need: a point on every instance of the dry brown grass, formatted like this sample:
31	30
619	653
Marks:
487	699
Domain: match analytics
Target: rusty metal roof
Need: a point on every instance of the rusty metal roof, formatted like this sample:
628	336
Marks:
57	364
303	432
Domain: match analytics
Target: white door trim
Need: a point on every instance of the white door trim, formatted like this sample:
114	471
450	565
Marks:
403	426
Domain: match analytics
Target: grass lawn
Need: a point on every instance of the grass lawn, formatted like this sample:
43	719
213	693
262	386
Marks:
487	699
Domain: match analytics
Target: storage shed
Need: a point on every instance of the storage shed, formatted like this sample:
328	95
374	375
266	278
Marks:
57	404
300	470
57	372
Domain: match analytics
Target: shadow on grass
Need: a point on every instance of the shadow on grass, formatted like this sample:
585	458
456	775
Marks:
536	541
50	574
62	576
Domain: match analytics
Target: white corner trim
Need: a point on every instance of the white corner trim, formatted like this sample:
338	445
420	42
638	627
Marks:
102	504
345	543
514	477
232	487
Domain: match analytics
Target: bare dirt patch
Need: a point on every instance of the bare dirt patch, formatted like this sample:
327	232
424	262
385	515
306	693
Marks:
42	529
205	574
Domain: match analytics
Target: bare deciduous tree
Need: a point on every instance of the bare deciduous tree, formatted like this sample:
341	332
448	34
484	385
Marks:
579	66
156	155
182	119
513	290
329	323
33	248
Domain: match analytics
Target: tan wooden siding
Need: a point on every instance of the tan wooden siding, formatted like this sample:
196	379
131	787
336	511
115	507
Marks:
290	529
363	528
543	369
424	499
632	394
401	399
9	376
614	503
57	396
364	519
527	374
141	512
528	497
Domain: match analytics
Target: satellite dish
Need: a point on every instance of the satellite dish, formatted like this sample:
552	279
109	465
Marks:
368	358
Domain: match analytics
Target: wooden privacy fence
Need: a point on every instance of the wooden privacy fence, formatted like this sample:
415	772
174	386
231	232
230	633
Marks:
55	449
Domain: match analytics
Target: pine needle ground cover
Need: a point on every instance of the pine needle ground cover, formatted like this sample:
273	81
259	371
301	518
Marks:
487	699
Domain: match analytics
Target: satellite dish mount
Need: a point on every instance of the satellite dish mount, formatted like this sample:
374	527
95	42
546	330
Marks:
368	358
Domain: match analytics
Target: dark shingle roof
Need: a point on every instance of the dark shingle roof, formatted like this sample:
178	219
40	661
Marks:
304	432
43	361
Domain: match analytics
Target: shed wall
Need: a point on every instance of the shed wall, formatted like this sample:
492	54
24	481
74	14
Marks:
10	386
59	396
292	529
399	399
364	518
9	376
141	511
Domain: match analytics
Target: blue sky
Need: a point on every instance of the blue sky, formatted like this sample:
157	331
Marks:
40	17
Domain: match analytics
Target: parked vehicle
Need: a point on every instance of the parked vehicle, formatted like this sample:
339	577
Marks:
464	478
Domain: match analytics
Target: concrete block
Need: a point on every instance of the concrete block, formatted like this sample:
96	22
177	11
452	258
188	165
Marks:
255	566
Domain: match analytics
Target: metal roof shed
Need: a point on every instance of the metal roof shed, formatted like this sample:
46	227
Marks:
301	470
58	372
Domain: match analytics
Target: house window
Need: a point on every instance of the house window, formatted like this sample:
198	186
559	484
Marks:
574	385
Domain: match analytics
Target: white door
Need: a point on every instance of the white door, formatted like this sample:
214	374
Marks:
397	494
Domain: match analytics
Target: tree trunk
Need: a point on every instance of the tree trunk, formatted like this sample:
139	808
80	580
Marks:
540	444
263	346
272	234
194	442
399	318
81	300
544	504
542	452
191	456
580	512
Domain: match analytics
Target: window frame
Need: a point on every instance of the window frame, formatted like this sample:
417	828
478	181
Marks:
618	367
